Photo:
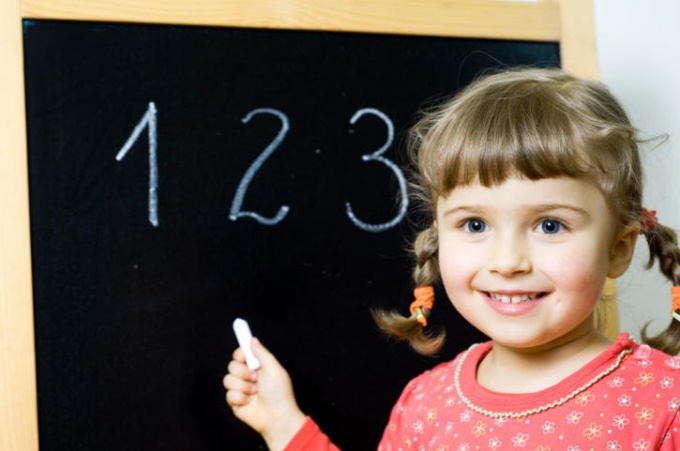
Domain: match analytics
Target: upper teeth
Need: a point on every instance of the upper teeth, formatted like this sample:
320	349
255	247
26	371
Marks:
514	299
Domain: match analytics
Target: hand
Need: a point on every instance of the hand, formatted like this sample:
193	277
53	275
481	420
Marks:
263	399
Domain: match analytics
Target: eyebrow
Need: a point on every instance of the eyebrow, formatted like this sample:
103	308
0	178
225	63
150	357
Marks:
541	208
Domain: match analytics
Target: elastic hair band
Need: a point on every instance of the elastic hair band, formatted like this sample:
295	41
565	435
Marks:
647	220
424	299
675	306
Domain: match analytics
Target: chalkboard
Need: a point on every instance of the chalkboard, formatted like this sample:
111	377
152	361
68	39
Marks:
183	176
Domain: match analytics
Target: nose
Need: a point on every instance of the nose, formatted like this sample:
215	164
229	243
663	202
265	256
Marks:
510	255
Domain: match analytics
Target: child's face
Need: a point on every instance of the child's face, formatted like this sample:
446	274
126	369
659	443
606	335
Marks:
526	261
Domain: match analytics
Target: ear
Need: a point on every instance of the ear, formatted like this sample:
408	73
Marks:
622	249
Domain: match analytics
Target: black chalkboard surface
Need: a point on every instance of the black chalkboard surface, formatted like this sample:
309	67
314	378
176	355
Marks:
181	177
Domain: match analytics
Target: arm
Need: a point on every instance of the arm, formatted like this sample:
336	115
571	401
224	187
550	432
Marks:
671	440
310	438
264	400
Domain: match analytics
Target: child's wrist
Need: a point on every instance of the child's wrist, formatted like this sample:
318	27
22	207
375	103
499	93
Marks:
282	430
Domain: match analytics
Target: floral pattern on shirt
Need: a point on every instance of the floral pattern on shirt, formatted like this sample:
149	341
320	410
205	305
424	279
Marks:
632	408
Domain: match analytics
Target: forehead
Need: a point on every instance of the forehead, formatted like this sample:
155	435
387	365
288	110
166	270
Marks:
516	193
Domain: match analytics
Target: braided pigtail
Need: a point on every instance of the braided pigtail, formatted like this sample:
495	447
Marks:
663	246
426	272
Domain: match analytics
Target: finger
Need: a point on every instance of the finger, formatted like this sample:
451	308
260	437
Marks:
242	371
237	398
239	355
263	354
236	384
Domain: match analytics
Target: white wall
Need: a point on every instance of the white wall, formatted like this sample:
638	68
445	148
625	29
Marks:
639	59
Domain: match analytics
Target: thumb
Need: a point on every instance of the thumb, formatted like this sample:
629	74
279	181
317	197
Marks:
263	354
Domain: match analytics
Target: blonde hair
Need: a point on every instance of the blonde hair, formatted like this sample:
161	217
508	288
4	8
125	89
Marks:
537	123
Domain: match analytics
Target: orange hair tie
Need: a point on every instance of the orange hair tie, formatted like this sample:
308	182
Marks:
675	295
648	220
424	299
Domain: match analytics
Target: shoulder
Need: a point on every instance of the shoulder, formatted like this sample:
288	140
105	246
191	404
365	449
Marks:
645	358
643	393
440	378
428	403
650	373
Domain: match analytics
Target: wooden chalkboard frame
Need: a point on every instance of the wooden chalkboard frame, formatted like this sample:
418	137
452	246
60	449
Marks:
569	22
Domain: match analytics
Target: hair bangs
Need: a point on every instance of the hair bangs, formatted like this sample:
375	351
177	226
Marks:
508	136
533	124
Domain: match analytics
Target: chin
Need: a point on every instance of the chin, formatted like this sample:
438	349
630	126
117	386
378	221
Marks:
522	339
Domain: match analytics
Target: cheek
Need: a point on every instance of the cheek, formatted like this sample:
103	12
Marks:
583	269
458	271
459	266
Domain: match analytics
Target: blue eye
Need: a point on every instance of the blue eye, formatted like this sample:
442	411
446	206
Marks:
550	226
475	226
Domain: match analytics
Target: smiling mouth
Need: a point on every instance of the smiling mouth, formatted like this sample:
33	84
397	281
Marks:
515	298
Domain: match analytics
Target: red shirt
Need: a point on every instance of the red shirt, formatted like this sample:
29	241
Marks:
628	398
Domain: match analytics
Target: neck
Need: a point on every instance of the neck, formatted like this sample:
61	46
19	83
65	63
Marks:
524	370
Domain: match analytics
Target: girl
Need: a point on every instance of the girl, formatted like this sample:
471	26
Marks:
533	179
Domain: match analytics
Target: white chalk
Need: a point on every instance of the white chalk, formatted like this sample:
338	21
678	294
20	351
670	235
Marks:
244	336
